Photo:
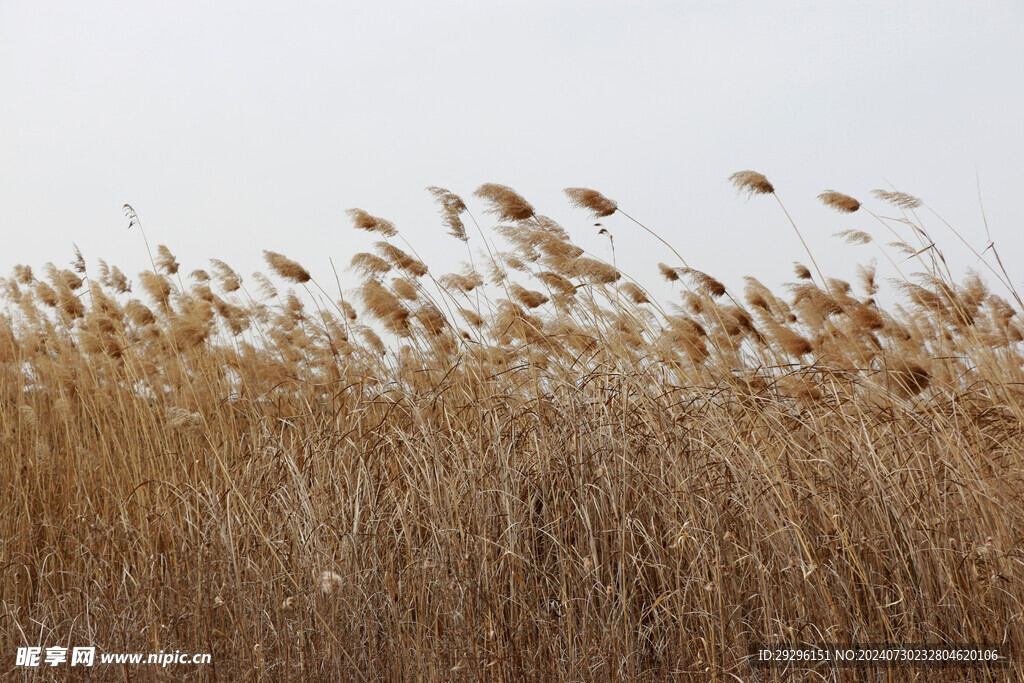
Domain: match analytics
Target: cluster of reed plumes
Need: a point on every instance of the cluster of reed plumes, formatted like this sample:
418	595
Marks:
527	469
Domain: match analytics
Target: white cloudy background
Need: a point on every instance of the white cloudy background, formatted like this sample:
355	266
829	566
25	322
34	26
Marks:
233	127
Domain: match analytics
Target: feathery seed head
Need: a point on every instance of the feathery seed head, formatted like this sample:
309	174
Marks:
900	200
229	279
592	200
433	320
705	282
286	268
118	281
472	317
47	294
386	307
594	271
364	221
64	278
839	201
866	275
791	342
138	313
635	293
452	207
400	259
528	297
23	274
78	265
404	288
558	283
369	265
264	286
555	249
165	260
854	236
751	182
505	202
462	282
157	286
670	274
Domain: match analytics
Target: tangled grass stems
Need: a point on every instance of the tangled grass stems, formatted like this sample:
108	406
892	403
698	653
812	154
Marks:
552	475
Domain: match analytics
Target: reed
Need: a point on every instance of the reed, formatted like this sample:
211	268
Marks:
531	469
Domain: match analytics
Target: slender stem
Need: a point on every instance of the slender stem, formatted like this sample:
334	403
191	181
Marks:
803	242
656	236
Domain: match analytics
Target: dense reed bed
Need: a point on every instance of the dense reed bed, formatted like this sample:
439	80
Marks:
530	468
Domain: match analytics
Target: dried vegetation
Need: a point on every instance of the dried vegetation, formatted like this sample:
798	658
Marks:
550	476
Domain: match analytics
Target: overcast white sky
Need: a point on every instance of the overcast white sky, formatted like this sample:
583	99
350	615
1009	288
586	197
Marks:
238	126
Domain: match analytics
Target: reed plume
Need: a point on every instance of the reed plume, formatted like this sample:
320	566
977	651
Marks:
505	202
364	221
286	268
751	182
452	208
592	200
839	201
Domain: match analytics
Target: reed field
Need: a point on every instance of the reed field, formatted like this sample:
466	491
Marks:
532	468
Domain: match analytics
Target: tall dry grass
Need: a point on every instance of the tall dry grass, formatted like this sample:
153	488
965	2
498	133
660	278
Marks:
528	469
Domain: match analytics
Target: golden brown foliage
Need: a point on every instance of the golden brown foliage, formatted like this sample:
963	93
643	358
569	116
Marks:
582	483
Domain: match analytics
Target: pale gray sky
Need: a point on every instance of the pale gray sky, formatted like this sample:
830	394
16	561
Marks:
238	126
